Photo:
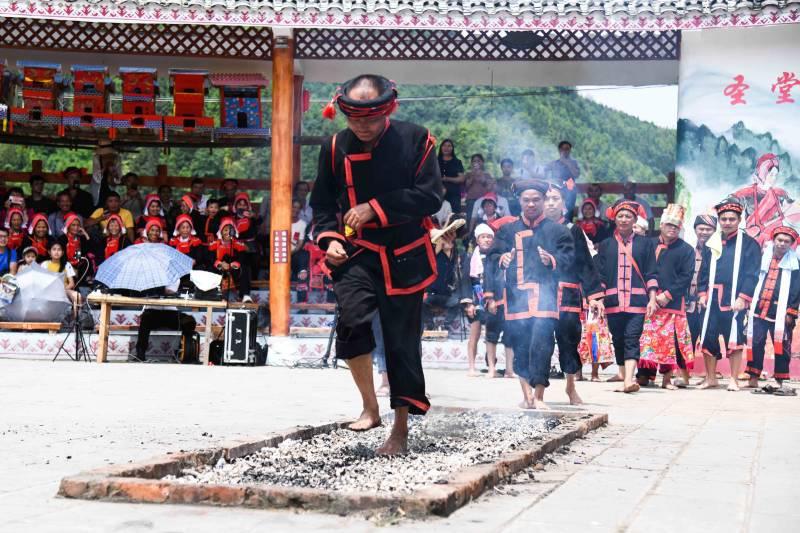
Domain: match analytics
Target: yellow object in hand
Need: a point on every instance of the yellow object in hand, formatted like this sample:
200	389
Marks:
348	231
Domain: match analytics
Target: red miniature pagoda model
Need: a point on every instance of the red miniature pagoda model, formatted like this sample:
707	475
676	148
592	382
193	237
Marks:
42	90
91	110
240	104
188	88
139	92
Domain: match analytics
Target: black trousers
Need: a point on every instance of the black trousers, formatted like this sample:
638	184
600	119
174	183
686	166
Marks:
719	323
568	337
160	319
755	362
533	340
626	330
695	321
360	291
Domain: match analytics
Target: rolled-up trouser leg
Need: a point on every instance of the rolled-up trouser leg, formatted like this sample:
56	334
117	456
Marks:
568	337
541	351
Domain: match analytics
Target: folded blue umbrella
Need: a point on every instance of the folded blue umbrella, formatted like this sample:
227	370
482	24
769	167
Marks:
144	266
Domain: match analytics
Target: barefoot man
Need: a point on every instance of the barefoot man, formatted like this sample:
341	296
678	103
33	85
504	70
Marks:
378	182
704	228
774	311
579	281
529	251
627	267
666	342
732	279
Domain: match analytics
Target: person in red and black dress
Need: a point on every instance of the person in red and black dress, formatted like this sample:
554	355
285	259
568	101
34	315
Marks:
113	239
15	225
152	211
185	240
229	258
377	186
77	248
153	232
207	231
39	237
627	267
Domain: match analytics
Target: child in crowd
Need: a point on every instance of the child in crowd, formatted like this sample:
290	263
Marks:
211	222
8	257
58	263
28	258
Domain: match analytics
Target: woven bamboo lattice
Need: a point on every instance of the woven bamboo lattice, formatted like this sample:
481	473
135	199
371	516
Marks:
155	39
553	45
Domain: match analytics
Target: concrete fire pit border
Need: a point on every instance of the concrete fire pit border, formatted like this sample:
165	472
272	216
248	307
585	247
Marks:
142	483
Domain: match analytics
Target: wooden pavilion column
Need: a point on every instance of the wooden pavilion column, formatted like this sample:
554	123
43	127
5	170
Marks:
282	177
298	126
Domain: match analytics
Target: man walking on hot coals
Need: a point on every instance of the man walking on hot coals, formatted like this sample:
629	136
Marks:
578	281
626	263
774	310
704	228
530	251
666	343
381	177
732	279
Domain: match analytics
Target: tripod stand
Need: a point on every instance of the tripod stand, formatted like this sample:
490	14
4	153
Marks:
82	348
330	341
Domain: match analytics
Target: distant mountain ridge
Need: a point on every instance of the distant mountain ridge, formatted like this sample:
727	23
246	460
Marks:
730	157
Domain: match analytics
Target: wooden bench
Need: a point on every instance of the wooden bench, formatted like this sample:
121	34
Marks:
52	327
314	307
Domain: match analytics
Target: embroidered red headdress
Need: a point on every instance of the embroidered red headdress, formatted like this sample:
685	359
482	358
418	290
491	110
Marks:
382	106
786	230
626	205
729	204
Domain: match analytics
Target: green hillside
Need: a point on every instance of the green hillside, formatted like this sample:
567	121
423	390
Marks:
609	144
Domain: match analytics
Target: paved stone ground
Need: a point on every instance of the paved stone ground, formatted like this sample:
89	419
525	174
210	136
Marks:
668	461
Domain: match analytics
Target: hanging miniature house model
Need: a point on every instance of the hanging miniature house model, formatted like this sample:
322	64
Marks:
5	93
42	97
240	105
139	91
91	112
189	88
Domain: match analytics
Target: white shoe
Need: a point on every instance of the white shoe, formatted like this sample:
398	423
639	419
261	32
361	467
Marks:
247	299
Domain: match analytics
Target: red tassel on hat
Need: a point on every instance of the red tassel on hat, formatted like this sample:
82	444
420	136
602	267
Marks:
329	111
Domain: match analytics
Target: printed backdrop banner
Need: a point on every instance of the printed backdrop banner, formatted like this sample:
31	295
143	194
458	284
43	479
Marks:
739	123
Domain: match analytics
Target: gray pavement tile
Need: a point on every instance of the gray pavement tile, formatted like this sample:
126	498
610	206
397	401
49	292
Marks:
772	523
668	514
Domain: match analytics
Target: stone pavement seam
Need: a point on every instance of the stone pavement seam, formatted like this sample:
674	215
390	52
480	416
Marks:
555	486
661	475
748	507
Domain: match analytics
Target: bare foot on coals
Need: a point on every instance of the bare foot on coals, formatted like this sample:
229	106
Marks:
396	444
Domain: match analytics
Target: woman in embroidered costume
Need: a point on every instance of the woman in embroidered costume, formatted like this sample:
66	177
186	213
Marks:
152	212
114	239
184	238
666	343
229	257
14	223
76	248
153	232
39	237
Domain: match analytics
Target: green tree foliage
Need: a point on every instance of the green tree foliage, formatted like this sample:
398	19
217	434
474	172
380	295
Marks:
610	145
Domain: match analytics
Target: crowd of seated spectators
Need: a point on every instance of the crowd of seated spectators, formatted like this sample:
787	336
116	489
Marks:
76	230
